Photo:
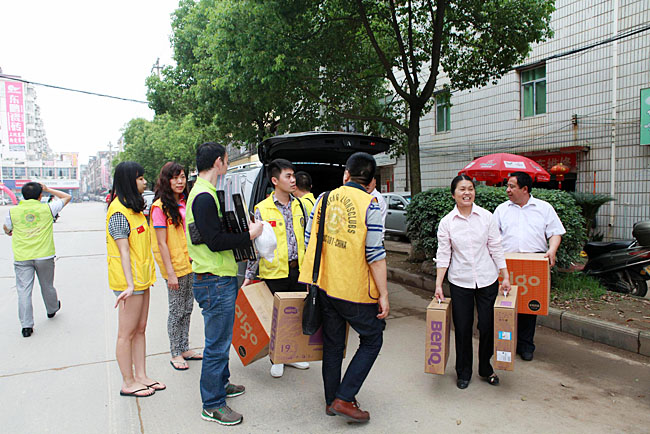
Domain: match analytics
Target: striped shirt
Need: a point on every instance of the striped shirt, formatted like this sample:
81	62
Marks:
374	239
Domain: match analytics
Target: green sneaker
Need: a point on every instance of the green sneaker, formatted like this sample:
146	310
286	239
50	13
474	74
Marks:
223	415
233	390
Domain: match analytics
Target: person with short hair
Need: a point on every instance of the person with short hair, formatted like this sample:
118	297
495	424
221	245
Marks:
527	225
131	273
303	190
30	224
383	207
170	251
470	254
287	216
215	281
352	283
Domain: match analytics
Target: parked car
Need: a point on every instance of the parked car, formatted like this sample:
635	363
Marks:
322	154
396	204
148	196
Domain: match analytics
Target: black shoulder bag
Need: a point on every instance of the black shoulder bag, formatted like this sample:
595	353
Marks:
311	314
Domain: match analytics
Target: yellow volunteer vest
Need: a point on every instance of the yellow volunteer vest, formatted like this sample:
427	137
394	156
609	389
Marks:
308	201
344	272
279	268
32	230
176	244
142	268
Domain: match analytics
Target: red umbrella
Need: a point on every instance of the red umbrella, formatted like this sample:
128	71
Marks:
494	168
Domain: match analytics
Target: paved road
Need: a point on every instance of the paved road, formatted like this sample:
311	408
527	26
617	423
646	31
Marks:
65	379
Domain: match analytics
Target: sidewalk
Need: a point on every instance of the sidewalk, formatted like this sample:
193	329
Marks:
604	332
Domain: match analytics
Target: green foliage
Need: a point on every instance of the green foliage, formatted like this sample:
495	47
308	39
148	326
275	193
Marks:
572	285
590	204
429	207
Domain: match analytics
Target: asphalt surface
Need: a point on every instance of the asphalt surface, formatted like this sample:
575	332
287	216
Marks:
64	378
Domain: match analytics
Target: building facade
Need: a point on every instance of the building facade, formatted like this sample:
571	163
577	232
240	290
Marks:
576	100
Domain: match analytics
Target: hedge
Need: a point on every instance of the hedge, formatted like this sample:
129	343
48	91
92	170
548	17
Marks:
429	207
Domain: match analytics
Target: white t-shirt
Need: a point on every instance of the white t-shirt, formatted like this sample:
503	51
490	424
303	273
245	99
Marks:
526	229
383	208
55	207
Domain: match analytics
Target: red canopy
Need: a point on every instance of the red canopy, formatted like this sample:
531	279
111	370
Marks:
494	168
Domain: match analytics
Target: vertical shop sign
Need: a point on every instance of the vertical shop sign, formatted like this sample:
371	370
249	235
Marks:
15	115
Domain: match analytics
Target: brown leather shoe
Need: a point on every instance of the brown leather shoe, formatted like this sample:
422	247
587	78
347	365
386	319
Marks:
328	411
349	410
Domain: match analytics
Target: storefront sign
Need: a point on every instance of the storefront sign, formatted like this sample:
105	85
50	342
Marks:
645	116
549	160
15	116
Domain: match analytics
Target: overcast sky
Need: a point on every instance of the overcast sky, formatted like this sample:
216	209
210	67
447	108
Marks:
104	47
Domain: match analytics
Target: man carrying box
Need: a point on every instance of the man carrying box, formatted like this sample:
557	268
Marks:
352	282
526	224
287	216
215	281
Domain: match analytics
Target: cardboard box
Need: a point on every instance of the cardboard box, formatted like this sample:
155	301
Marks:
288	344
505	330
252	328
532	274
436	343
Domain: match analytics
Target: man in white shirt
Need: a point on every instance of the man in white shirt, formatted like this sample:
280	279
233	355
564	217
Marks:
527	225
372	189
30	226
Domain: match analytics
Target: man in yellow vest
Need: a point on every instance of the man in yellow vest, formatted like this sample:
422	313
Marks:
215	281
287	216
352	282
30	224
303	190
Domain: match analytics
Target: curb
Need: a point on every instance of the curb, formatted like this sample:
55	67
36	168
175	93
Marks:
614	335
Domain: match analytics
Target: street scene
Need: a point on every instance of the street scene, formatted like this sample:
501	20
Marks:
66	371
324	216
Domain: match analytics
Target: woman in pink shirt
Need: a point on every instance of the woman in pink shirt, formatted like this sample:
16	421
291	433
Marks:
470	253
170	250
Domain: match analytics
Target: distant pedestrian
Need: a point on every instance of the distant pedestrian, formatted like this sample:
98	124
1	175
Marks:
303	190
527	225
215	281
170	250
470	253
130	274
352	282
287	216
372	189
30	224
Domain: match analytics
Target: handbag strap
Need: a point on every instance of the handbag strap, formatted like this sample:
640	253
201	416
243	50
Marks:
319	237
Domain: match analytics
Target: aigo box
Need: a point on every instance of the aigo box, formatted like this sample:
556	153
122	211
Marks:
252	327
531	273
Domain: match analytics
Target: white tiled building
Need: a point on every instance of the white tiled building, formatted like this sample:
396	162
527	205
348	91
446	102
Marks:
559	107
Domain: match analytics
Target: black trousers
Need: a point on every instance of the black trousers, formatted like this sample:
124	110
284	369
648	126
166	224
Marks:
526	333
462	309
287	284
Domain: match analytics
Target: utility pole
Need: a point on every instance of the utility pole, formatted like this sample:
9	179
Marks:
157	67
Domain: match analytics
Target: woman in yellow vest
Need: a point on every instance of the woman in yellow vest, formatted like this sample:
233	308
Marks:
170	250
130	274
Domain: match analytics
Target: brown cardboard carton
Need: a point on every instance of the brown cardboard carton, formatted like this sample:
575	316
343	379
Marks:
505	330
288	344
436	343
532	274
252	328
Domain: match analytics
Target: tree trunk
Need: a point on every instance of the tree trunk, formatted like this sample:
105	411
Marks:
414	151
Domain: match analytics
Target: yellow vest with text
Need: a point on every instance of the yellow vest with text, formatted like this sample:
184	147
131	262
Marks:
279	268
308	201
142	268
32	230
175	243
344	271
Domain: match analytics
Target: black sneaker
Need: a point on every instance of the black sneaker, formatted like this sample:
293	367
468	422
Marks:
223	415
27	332
233	390
51	315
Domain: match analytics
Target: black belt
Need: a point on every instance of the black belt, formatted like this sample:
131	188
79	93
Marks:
201	276
293	264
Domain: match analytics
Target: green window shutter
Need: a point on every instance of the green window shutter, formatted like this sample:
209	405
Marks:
540	97
529	100
448	117
440	118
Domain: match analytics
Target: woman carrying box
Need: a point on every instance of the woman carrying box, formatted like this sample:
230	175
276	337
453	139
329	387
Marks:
470	252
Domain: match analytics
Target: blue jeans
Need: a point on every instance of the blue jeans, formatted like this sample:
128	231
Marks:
363	319
216	296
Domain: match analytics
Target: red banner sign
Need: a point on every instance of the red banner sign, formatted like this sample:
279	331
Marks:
15	115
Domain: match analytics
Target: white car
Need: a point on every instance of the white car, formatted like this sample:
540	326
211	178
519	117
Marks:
396	203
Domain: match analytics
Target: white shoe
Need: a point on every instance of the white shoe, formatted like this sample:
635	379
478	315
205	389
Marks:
277	370
299	365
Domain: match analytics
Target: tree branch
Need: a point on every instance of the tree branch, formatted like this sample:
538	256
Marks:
414	65
402	49
441	5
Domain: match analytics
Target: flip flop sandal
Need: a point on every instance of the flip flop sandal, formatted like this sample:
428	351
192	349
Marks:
134	394
184	364
492	380
157	389
195	356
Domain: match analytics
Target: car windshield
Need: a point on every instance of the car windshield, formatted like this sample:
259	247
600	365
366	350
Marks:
407	198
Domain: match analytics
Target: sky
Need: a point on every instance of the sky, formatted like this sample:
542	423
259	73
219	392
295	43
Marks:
104	47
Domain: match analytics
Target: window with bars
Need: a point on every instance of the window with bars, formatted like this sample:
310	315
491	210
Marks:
533	91
443	112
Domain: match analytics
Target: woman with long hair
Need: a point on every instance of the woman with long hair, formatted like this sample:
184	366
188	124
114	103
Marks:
130	274
170	251
470	253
